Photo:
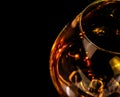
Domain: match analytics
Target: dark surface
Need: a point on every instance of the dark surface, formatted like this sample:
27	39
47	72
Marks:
58	14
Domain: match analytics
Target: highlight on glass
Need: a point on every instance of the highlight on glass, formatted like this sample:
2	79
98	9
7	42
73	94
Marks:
85	57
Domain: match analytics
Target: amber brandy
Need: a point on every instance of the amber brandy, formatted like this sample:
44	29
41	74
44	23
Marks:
85	57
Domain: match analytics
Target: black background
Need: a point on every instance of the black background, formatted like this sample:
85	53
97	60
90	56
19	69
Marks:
32	29
58	13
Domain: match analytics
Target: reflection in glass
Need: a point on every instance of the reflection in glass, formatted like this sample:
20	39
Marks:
85	57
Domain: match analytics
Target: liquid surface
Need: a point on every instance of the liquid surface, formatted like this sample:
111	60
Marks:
102	25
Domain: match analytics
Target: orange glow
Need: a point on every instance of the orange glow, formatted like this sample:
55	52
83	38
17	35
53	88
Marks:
76	56
71	75
88	63
99	30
